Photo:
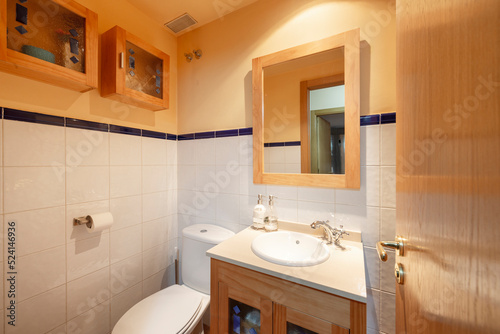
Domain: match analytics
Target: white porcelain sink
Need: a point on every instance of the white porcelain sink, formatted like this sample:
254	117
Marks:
290	248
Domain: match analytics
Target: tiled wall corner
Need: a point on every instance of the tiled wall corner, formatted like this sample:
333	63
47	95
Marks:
385	305
211	191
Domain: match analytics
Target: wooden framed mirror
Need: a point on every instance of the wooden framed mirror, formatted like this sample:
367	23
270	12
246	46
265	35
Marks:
306	114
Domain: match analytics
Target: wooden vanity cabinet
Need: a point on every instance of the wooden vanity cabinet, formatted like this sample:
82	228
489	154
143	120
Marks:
238	294
133	71
53	41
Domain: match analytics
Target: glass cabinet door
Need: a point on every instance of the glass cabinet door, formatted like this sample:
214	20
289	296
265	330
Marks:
244	313
47	31
244	319
291	328
144	71
290	321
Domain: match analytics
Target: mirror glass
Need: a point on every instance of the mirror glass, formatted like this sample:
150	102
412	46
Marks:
304	100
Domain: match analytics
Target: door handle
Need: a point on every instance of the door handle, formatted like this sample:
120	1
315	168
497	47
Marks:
398	245
122	60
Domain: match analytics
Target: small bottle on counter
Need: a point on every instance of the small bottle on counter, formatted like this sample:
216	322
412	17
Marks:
259	213
272	218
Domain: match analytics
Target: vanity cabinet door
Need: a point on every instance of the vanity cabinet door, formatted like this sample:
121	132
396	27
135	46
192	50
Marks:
290	321
243	312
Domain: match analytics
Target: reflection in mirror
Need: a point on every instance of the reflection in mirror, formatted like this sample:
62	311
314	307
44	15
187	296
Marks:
303	118
326	129
306	114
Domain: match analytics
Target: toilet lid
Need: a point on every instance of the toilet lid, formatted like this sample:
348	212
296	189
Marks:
170	310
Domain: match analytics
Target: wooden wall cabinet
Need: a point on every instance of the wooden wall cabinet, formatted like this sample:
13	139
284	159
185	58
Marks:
261	303
54	41
134	72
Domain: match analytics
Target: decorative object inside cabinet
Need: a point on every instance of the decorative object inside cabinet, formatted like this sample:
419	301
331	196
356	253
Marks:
294	329
47	31
244	319
144	71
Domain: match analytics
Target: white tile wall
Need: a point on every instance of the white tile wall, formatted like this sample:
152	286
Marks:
29	188
43	312
371	209
82	290
41	229
64	172
29	144
282	159
122	302
69	280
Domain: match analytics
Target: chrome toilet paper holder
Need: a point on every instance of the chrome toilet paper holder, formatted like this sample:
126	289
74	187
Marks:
85	220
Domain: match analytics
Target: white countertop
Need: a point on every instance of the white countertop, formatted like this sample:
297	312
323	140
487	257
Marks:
343	274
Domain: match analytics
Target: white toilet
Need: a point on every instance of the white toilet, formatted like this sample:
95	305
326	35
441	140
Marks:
179	308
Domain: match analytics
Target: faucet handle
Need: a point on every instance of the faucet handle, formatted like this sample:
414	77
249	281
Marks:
342	231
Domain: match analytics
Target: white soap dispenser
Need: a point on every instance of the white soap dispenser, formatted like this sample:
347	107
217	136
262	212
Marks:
259	213
272	223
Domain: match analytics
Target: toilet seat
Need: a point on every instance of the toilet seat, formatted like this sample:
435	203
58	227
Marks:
174	310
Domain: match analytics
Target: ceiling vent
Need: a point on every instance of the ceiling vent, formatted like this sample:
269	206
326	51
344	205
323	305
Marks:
180	23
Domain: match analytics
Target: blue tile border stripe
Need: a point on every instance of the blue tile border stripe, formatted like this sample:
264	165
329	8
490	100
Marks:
370	120
282	143
187	136
388	118
226	133
87	125
124	130
245	131
154	134
204	135
33	117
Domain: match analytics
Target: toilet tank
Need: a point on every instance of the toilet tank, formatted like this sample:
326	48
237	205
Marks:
195	264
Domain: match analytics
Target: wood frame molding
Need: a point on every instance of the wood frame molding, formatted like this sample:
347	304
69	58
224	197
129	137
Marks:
350	41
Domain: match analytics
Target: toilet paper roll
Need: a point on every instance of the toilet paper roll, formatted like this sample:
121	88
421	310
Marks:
99	222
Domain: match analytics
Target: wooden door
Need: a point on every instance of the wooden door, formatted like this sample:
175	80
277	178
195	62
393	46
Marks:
448	167
324	146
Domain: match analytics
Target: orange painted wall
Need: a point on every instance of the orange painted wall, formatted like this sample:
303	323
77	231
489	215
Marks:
215	92
30	95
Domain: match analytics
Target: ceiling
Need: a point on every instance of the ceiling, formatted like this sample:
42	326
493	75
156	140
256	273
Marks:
203	11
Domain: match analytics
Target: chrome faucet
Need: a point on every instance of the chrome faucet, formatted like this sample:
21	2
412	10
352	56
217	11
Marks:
332	234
